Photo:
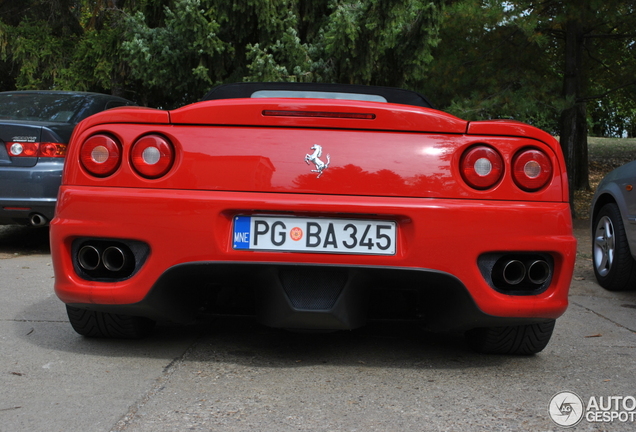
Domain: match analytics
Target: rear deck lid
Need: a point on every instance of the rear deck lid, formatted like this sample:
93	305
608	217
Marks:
307	146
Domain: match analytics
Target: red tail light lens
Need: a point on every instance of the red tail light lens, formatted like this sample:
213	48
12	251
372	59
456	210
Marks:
52	150
100	155
481	167
152	156
531	169
36	149
22	149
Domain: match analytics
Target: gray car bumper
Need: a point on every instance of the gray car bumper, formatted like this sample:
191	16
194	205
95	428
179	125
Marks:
29	195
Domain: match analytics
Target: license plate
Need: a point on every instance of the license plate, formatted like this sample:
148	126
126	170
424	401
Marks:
296	234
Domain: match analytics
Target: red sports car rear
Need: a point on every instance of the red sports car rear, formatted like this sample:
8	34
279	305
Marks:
314	213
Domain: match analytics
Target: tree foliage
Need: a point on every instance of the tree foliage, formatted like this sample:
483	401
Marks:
563	65
506	60
487	67
168	53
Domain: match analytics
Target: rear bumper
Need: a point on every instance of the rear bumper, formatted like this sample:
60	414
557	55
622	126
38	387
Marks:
25	191
188	234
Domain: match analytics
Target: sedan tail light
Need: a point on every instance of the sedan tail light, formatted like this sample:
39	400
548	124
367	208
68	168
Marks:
481	167
36	149
100	155
152	156
531	169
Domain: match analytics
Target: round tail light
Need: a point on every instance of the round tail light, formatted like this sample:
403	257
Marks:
481	167
100	155
531	169
152	156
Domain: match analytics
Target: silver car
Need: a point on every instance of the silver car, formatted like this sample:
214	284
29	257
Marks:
614	229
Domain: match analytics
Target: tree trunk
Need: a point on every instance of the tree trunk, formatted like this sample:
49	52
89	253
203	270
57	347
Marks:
573	118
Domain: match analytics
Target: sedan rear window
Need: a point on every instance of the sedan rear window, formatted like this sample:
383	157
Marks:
58	108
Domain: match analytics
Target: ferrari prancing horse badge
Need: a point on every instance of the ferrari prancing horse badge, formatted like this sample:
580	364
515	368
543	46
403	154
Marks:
315	158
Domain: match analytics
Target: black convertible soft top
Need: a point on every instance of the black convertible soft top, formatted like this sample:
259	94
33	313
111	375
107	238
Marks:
318	90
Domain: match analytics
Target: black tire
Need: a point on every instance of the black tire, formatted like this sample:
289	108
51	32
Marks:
105	325
614	266
519	340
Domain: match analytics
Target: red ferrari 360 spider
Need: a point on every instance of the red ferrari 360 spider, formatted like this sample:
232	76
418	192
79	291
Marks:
314	207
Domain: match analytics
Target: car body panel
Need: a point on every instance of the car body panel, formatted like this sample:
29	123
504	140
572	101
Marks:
278	112
619	184
133	215
29	185
129	114
251	157
395	164
507	128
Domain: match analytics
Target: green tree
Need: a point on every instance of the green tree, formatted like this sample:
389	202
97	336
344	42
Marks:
62	44
178	59
205	42
487	67
540	61
36	38
380	42
167	53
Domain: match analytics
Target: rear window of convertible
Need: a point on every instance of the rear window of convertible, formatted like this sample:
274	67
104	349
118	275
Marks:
317	95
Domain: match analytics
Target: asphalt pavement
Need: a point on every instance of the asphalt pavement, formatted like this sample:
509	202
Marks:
232	374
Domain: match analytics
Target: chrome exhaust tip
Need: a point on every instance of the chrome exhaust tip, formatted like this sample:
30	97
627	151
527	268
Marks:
514	271
88	258
517	273
107	260
38	220
538	272
114	258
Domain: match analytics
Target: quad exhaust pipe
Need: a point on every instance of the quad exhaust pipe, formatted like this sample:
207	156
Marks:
114	258
89	258
521	273
514	271
538	272
105	260
108	260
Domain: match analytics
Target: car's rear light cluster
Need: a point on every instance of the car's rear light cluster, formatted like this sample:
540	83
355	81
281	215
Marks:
151	156
531	169
36	149
482	167
101	155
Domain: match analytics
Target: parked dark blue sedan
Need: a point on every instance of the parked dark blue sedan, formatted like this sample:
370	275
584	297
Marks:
35	127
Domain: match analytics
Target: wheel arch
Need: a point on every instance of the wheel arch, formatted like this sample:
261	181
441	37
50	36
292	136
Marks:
611	195
599	202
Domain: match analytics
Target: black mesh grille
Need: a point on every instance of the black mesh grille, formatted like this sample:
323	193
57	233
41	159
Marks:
313	288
